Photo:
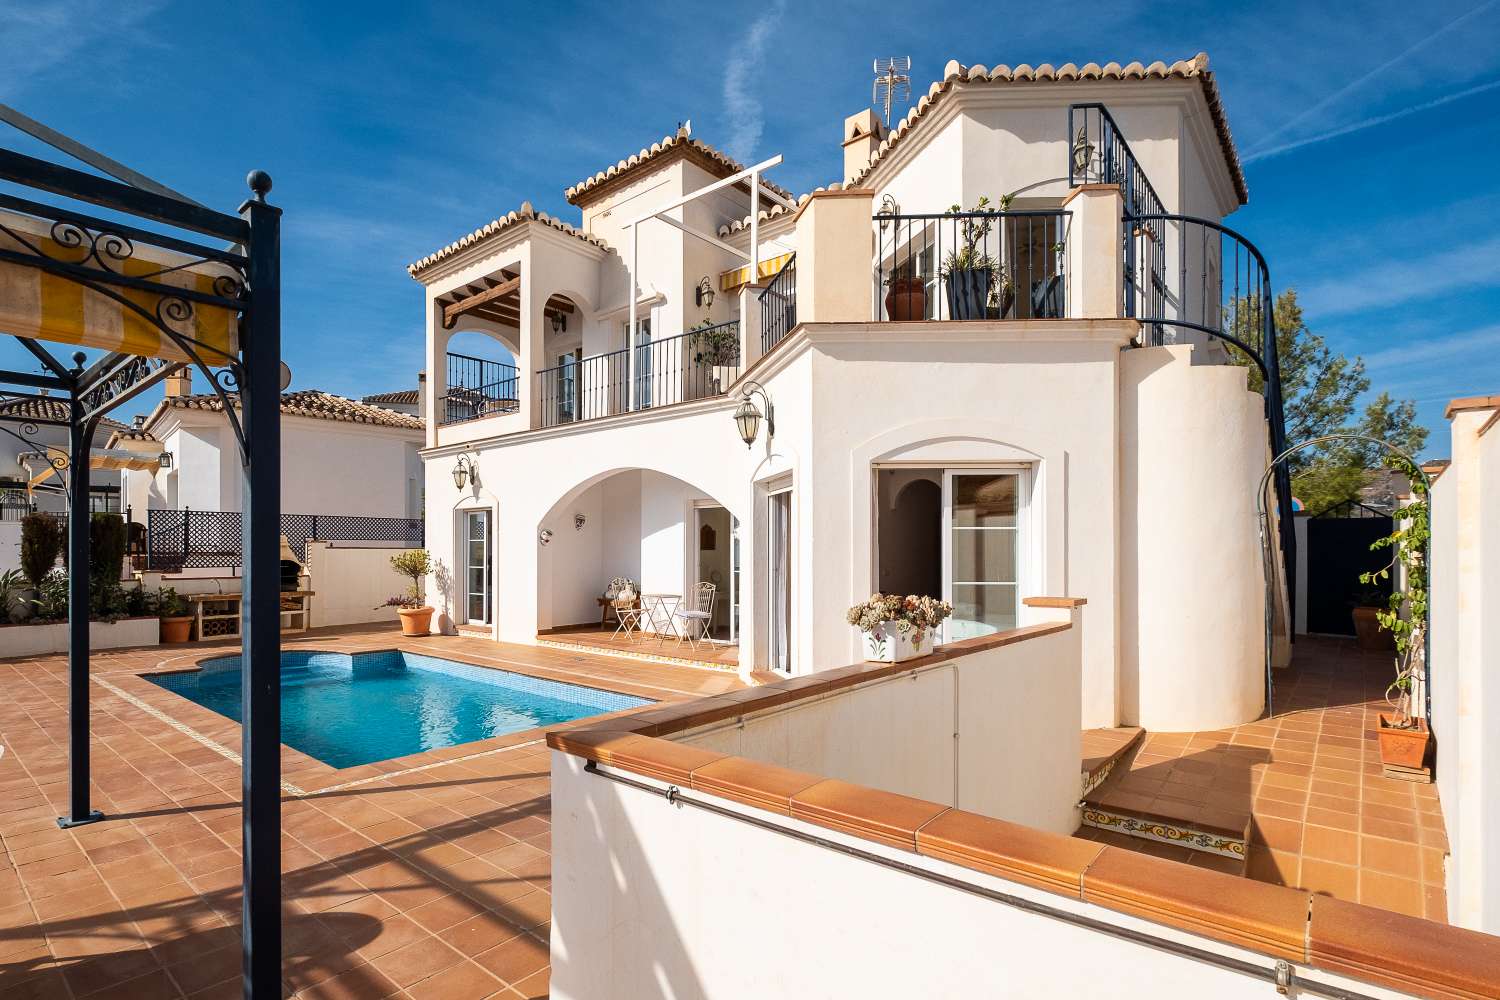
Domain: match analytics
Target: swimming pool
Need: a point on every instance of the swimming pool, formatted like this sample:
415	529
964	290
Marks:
348	709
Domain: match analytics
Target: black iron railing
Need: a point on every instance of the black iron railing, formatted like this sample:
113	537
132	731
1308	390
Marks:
972	265
778	306
478	388
210	539
693	365
1099	154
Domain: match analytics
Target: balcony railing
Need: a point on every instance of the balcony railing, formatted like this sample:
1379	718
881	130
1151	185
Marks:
477	388
972	265
778	306
693	365
1100	155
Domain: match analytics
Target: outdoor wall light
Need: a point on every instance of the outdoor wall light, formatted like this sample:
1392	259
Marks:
559	322
704	293
747	415
465	471
889	209
544	536
579	521
1083	152
164	460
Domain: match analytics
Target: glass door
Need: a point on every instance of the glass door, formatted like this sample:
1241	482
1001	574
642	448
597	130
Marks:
983	514
477	553
781	580
567	387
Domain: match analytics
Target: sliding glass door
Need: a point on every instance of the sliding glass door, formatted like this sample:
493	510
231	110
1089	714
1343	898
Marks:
983	520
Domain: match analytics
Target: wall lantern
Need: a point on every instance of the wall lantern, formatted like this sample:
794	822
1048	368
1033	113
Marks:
704	293
579	521
164	460
1083	152
889	209
559	322
544	536
747	415
465	471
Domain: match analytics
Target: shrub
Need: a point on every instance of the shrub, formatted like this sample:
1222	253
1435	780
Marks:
170	604
51	601
107	539
41	544
415	564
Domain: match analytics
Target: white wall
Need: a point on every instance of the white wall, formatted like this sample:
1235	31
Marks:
651	900
10	545
1465	602
1192	596
943	733
350	582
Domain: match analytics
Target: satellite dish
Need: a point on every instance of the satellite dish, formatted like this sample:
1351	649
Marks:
286	376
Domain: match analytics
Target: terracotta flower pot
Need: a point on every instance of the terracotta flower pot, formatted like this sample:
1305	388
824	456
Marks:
176	628
906	300
1403	747
415	621
1368	634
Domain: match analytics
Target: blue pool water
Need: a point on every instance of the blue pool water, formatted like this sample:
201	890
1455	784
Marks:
350	709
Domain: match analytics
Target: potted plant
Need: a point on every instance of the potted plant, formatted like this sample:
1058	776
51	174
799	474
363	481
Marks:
906	298
898	628
1404	738
973	281
172	613
717	346
1366	614
416	617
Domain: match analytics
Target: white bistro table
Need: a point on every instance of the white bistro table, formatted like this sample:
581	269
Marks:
661	610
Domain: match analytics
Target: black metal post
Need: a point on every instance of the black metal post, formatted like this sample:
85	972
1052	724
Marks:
260	626
79	434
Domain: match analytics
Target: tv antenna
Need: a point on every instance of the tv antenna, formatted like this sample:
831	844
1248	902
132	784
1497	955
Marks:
892	83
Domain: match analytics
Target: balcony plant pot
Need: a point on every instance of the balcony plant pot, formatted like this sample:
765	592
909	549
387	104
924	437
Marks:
1368	634
891	645
416	621
968	291
176	628
906	299
1006	294
1403	747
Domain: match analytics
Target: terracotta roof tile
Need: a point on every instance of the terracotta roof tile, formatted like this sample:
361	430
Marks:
956	74
401	397
526	213
720	161
49	408
312	403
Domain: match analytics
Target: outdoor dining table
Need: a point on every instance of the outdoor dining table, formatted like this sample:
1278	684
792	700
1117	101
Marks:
659	607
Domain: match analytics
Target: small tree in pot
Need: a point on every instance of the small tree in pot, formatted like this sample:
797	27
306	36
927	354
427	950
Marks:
416	616
973	280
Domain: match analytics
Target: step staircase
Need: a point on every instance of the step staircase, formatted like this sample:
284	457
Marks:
1169	802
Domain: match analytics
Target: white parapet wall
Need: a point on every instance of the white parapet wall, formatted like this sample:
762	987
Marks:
38	640
993	732
351	579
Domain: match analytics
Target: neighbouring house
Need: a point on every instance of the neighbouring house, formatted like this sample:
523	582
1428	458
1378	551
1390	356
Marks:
408	401
983	407
338	456
22	461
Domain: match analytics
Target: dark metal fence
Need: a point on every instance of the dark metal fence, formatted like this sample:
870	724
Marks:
972	265
210	539
1100	155
693	365
778	306
478	388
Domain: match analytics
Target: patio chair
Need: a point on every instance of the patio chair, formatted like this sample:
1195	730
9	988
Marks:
610	598
697	621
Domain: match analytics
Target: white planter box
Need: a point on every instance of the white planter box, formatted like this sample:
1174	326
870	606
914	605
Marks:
888	645
38	640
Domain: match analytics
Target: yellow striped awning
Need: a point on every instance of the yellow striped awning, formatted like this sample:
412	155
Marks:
45	306
740	276
42	467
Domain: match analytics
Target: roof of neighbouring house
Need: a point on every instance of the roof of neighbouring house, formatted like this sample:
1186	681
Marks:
49	408
130	434
956	74
401	397
312	403
683	144
526	213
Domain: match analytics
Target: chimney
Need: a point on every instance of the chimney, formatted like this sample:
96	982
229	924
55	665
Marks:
422	395
180	384
863	131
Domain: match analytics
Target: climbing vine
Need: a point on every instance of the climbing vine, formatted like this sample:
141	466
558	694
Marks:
1405	615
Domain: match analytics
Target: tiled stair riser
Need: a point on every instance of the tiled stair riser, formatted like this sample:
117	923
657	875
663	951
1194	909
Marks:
1165	832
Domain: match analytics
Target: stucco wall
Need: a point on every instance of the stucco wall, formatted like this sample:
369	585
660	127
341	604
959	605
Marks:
350	581
1192	596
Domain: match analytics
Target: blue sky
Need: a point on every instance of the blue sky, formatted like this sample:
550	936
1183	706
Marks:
1369	133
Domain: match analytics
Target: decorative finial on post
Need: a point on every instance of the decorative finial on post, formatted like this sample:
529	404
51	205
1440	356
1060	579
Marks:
78	359
260	183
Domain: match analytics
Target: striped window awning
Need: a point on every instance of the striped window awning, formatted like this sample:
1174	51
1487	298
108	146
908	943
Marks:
737	278
43	305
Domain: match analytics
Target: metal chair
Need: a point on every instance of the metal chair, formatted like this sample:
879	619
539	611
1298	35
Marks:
621	599
697	621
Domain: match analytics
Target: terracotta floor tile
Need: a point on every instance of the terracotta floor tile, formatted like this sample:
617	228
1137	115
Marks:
465	981
416	961
516	959
1391	893
1327	844
1329	879
1391	857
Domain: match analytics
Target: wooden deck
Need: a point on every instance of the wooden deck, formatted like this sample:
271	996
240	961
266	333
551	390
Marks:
651	648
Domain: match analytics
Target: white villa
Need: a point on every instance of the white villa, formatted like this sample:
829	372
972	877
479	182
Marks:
1039	445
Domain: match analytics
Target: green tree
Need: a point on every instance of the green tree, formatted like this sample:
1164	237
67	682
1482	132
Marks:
1320	390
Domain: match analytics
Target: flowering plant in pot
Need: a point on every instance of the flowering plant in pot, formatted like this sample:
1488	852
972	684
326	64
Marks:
172	613
416	615
898	628
1404	737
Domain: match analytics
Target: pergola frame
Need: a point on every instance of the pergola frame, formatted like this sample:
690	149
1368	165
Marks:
250	287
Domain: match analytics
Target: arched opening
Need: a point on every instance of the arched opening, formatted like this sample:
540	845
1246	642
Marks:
480	376
670	547
911	532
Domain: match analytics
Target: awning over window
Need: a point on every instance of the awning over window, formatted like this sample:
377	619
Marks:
40	468
740	276
43	305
